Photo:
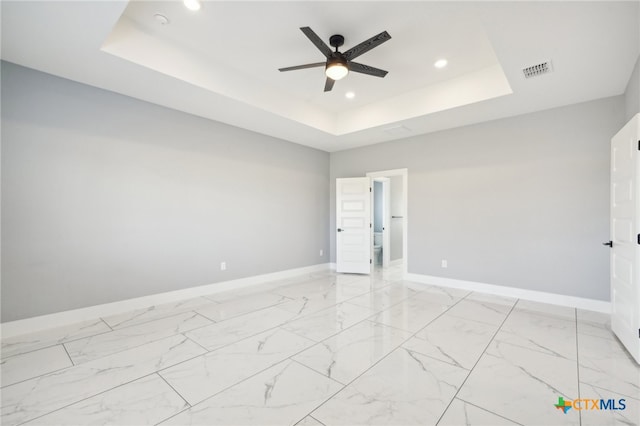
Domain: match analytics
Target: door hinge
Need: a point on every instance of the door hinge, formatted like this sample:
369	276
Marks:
371	261
638	238
638	145
370	187
638	235
639	333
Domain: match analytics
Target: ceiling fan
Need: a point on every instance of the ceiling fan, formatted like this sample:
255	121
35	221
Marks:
338	64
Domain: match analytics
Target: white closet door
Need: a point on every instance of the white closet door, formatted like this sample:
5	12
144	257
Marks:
625	236
353	220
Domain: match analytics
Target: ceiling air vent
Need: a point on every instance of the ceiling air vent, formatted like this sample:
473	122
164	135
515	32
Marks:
536	70
397	130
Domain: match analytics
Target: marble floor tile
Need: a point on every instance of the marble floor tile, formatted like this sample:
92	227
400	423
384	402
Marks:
594	329
405	388
223	333
32	364
298	290
492	298
384	298
298	279
481	311
266	287
549	334
140	316
391	273
373	282
410	314
522	384
146	401
33	398
338	293
233	308
206	375
627	417
462	413
30	342
348	354
231	295
547	309
350	290
277	352
342	279
308	305
95	347
593	316
328	322
442	295
457	341
605	363
594	323
309	421
302	278
237	294
281	395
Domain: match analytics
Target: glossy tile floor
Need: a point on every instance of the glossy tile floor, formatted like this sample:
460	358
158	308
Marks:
324	349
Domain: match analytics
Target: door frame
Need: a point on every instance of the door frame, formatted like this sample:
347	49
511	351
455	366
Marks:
405	203
386	220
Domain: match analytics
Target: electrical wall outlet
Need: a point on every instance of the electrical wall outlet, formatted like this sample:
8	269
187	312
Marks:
444	263
223	266
321	252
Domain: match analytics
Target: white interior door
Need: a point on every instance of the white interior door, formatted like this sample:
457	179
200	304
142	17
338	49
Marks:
353	220
625	237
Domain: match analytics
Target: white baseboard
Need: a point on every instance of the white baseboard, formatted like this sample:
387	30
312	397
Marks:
58	319
519	293
332	266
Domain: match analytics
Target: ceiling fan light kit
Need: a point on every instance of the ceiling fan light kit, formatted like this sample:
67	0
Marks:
193	5
338	64
336	69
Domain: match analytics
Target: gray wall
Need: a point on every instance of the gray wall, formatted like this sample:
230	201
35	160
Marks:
395	233
520	202
632	93
106	198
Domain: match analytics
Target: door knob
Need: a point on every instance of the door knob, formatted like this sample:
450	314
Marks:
610	244
339	229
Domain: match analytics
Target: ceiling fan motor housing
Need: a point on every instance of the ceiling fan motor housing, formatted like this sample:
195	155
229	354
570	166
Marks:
336	41
337	59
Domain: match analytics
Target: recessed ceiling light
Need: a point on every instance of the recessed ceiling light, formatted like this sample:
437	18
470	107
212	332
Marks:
161	19
192	4
440	63
349	95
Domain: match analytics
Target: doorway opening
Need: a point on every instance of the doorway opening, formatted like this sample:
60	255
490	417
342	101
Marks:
389	219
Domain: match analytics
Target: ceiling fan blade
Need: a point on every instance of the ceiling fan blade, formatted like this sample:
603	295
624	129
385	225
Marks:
366	45
317	41
366	69
328	85
301	67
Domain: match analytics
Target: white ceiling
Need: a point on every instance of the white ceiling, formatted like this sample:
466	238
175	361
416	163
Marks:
222	61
